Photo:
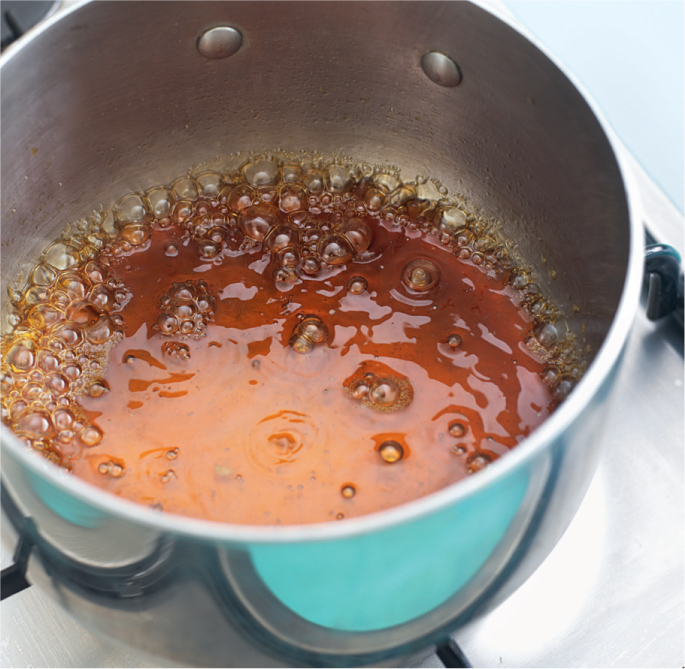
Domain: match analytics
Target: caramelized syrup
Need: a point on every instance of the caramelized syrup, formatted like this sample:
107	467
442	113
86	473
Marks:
281	345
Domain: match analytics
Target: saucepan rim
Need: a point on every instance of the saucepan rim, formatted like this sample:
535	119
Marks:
569	411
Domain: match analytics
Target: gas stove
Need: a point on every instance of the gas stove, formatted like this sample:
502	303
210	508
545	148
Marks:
611	594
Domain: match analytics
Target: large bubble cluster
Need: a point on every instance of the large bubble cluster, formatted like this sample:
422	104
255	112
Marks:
308	216
67	321
309	332
377	386
186	309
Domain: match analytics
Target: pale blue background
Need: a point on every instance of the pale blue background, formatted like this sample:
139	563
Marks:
630	56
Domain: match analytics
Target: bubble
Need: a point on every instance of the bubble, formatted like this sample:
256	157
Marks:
477	461
95	272
130	209
421	275
176	349
83	312
262	173
358	232
335	250
281	236
22	355
61	256
383	390
172	454
136	235
183	311
563	387
72	370
101	331
102	297
182	211
285	275
183	291
168	476
68	334
401	195
339	179
391	451
160	201
240	197
257	220
519	279
459	449
57	383
547	335
185	188
208	248
312	328
217	235
301	344
98	388
449	220
37	423
35	295
314	181
44	316
291	172
42	275
299	219
348	490
374	198
209	183
187	308
31	391
292	198
384	393
129	359
72	284
311	265
357	285
454	341
485	244
6	382
457	429
289	257
111	468
360	391
91	435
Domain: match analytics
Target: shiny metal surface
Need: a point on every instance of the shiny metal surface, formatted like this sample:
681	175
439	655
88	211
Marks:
495	170
220	42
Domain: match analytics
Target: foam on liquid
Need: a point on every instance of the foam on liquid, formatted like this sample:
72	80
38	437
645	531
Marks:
292	342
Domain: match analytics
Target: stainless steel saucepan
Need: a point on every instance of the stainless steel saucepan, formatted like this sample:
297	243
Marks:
110	97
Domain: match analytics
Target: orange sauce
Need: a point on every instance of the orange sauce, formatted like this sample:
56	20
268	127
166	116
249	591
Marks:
238	389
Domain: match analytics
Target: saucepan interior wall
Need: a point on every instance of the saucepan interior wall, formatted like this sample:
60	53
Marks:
115	97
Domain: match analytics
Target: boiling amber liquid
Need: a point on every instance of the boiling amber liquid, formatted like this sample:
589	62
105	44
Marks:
238	426
289	343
